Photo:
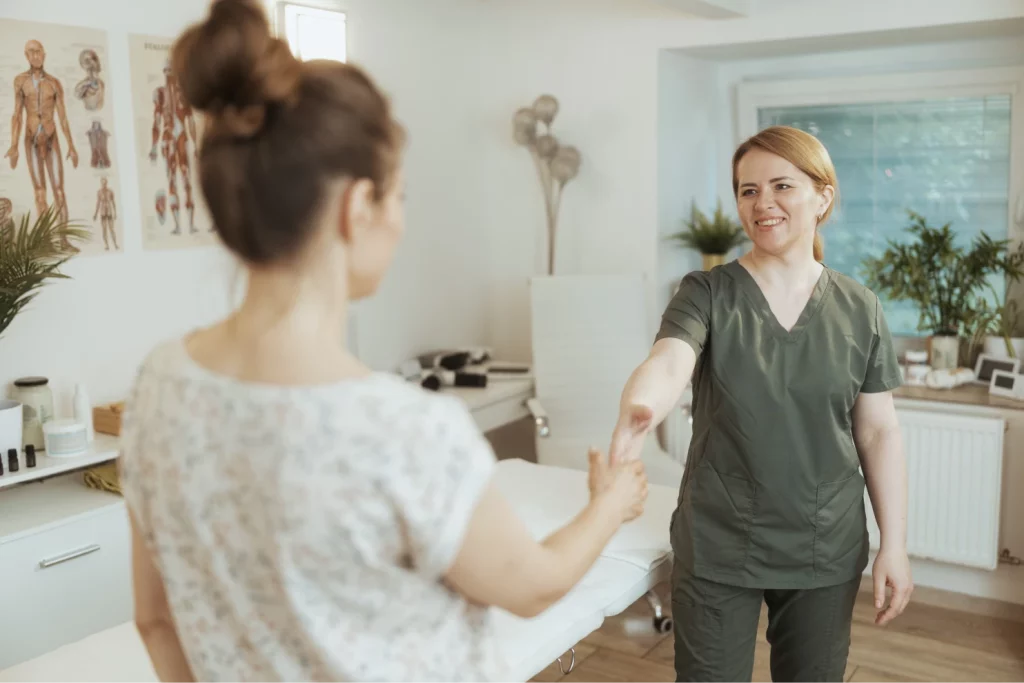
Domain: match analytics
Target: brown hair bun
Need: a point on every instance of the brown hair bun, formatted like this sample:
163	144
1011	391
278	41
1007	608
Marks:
231	67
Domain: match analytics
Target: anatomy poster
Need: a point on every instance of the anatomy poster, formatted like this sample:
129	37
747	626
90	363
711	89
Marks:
166	142
57	129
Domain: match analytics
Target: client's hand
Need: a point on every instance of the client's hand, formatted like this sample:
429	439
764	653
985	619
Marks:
630	432
624	484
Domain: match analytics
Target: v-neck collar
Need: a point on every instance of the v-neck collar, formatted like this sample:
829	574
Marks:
756	296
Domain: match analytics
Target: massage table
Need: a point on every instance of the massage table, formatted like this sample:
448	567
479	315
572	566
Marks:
636	559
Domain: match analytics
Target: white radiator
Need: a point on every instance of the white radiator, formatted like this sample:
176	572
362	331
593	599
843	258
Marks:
955	471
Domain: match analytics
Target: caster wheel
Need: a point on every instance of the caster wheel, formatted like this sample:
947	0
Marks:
663	624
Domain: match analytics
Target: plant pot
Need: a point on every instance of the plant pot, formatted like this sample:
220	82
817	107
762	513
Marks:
944	351
709	261
996	346
10	426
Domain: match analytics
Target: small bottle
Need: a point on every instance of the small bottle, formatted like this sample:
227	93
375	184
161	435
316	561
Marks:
30	456
12	460
83	410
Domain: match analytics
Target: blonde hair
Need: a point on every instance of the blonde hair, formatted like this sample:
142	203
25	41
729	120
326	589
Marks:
804	151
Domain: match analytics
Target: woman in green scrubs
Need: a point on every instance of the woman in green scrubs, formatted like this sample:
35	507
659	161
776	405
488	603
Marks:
792	367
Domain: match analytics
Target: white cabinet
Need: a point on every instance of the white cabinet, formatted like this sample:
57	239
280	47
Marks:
65	563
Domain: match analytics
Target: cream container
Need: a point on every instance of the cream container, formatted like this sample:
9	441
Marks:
65	438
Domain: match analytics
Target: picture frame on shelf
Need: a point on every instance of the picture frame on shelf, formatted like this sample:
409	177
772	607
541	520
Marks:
1007	385
987	365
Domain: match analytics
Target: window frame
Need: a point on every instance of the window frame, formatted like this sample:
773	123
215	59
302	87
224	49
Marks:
900	87
286	29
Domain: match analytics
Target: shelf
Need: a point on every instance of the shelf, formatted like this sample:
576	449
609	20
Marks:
28	509
104	449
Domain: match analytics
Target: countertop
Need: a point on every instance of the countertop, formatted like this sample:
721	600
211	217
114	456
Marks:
965	394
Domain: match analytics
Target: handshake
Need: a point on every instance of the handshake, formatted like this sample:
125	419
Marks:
620	479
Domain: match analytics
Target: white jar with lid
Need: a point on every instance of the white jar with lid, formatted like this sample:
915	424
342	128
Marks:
35	395
917	367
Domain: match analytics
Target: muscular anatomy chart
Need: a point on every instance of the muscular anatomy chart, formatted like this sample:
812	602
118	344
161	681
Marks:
46	115
166	143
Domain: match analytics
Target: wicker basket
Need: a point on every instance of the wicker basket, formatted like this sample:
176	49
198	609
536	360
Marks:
107	419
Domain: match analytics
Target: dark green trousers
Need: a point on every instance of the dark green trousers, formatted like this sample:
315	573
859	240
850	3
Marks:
716	629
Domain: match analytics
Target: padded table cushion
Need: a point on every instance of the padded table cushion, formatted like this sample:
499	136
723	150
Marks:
546	498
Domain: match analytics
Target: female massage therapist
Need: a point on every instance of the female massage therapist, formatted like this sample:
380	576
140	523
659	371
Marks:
296	516
792	366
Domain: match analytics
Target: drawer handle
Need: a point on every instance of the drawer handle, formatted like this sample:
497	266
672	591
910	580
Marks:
68	556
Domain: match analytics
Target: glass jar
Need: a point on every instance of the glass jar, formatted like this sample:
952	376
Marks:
37	400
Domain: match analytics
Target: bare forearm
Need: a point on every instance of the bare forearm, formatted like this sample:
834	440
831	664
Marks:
885	472
657	383
571	551
166	654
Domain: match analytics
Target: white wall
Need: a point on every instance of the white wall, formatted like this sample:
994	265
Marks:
605	77
688	158
456	69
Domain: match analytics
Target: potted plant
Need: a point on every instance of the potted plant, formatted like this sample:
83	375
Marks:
31	255
713	237
946	282
993	329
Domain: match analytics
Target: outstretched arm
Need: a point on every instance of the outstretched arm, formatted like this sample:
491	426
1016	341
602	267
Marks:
879	440
501	564
656	385
651	392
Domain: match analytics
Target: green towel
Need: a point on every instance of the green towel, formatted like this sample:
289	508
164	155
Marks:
103	477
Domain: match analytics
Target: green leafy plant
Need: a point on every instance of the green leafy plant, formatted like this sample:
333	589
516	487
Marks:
995	321
719	234
947	282
31	254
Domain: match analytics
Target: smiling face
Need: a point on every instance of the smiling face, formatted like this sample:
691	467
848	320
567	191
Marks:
778	203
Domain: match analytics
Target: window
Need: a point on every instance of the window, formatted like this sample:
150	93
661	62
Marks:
939	144
315	33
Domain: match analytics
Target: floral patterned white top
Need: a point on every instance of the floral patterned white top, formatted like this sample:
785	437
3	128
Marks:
302	532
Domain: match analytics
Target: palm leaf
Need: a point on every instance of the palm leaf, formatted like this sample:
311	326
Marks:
716	235
31	254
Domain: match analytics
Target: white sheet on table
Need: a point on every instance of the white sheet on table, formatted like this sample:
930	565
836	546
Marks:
546	498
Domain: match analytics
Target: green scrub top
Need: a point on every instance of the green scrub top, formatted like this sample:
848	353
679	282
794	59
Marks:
772	495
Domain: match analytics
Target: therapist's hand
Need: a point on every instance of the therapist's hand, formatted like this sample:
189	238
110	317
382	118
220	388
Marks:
892	569
630	432
624	486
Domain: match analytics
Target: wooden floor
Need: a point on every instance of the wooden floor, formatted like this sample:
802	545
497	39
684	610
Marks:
926	643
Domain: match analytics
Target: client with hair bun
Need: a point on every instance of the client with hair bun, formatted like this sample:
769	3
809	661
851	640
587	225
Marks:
294	515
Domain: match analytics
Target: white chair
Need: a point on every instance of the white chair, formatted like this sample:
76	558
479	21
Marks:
589	333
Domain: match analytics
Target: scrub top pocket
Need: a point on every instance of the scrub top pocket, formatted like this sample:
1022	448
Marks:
720	511
839	524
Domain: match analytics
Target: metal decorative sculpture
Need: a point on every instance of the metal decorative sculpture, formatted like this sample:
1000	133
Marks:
556	164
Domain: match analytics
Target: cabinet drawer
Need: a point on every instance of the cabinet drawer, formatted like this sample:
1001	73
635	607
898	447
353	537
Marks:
64	583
